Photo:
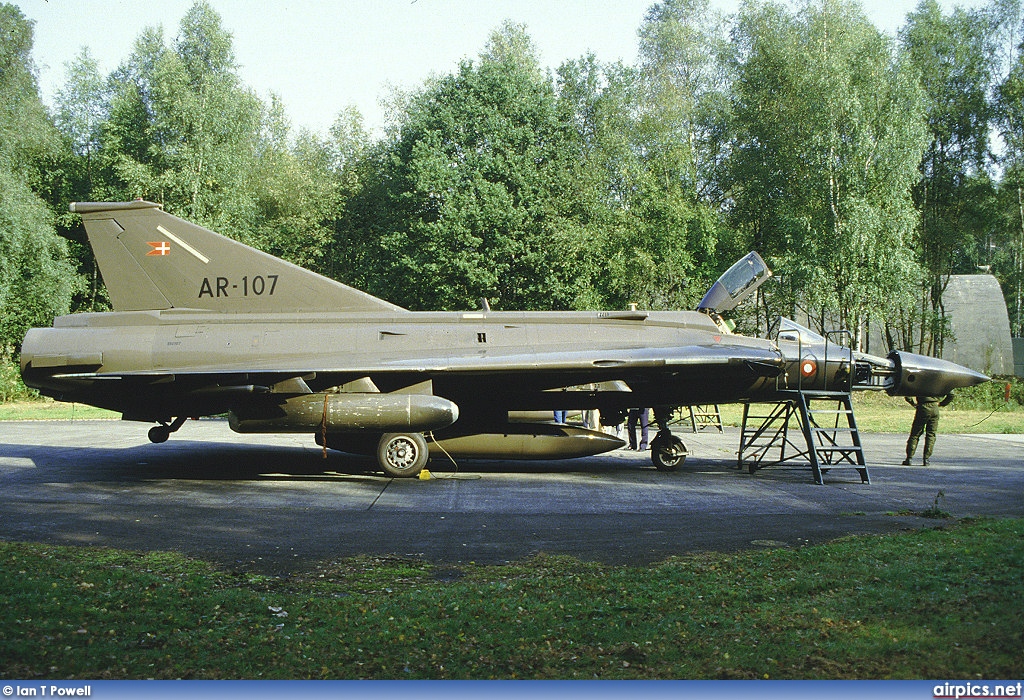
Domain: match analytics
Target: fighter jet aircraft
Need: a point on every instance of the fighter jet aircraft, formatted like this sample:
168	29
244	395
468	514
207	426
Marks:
203	325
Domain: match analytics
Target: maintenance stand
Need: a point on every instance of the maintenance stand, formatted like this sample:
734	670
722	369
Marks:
826	422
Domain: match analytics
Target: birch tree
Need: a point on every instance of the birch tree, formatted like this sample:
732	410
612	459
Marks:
830	129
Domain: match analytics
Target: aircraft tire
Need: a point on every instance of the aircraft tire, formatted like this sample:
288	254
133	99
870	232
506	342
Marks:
159	433
402	455
668	453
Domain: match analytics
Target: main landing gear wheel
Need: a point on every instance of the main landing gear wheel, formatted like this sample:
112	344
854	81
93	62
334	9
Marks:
402	455
667	452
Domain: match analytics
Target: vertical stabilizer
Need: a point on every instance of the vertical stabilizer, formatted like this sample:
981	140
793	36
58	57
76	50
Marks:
151	260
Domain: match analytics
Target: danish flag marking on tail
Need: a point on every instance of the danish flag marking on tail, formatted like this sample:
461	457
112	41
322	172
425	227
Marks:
159	248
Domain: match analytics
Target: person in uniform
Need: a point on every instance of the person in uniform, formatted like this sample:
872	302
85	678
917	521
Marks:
641	415
926	420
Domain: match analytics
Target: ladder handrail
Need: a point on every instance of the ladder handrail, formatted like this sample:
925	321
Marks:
849	358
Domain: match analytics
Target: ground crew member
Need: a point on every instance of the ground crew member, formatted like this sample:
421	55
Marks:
635	415
926	420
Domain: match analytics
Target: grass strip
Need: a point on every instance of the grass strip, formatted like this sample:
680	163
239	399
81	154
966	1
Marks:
943	602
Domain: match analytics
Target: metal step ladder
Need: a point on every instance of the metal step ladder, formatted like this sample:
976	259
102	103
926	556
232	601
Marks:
705	416
830	439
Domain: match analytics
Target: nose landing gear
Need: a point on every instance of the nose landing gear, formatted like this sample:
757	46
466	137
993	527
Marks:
667	451
160	433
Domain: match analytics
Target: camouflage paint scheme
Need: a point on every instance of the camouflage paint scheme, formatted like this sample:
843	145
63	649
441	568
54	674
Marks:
204	325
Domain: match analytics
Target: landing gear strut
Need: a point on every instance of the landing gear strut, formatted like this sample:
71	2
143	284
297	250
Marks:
160	433
667	451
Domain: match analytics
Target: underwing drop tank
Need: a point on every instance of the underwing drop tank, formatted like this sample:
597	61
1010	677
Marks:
525	441
344	413
511	441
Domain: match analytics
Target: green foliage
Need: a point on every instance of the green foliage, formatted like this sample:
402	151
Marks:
473	198
501	183
992	395
954	195
598	186
827	198
1006	239
175	124
36	279
939	602
11	386
26	132
31	406
677	137
1006	245
683	96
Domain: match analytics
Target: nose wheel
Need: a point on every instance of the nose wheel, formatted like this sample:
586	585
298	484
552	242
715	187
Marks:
160	433
667	451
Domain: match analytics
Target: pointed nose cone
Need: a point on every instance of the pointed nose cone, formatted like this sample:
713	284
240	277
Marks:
920	375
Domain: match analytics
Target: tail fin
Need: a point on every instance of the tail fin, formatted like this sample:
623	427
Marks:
152	260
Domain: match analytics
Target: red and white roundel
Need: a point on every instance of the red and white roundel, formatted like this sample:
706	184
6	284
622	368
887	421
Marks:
808	366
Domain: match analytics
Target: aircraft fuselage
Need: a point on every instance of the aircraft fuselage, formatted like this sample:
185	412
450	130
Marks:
204	325
164	350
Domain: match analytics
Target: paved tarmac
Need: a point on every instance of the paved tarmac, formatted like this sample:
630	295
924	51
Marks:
271	503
